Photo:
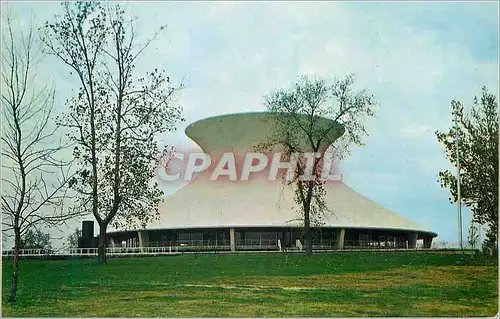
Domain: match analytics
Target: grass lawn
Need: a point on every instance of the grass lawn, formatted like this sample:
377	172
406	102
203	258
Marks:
336	284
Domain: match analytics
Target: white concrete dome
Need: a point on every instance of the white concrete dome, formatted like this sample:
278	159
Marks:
262	204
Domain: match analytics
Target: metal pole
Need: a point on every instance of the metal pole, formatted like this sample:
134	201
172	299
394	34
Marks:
459	201
479	235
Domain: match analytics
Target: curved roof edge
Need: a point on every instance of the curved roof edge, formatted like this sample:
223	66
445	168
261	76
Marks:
274	226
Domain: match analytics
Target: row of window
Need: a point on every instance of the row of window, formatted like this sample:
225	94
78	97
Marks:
328	237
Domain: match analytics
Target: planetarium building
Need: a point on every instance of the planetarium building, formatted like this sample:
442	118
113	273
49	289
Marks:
261	214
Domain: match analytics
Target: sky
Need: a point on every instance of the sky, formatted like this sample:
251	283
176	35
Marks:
415	57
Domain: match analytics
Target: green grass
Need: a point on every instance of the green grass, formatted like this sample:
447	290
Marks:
341	284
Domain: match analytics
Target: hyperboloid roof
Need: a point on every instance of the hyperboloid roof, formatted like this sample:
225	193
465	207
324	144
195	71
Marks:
259	202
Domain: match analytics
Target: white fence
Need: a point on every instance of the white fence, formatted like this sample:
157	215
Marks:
241	245
110	251
256	244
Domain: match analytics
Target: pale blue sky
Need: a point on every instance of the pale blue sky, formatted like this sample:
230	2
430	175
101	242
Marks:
415	57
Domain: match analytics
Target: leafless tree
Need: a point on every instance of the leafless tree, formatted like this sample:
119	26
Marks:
34	177
73	237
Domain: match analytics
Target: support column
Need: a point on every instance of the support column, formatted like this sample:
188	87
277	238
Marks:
143	238
412	240
231	239
340	238
427	242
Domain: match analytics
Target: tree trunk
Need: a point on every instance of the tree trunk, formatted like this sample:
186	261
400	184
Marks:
307	218
307	232
15	267
102	244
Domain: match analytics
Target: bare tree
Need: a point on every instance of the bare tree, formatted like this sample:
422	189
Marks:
73	238
115	117
36	239
473	237
35	179
308	118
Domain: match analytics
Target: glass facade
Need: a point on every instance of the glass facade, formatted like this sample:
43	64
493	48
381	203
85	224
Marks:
268	238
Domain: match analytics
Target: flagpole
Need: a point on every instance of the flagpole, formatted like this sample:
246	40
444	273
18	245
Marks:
459	201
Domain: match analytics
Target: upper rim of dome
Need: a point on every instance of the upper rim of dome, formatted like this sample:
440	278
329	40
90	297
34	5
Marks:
244	131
